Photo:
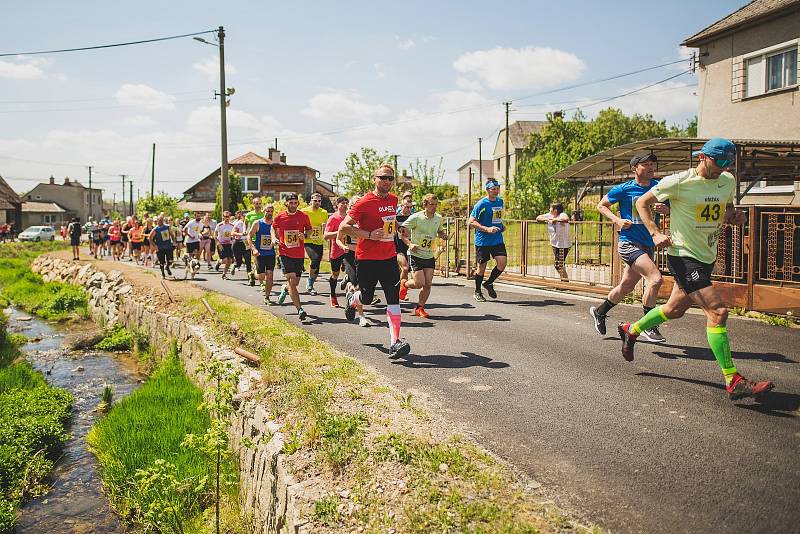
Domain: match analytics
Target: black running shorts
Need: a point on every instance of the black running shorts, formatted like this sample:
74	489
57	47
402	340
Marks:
265	263
418	264
483	254
336	265
314	253
690	275
292	265
387	272
226	251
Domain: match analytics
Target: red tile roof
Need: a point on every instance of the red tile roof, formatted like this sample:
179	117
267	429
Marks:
750	13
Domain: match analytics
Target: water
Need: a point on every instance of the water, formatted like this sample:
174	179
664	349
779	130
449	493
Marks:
76	503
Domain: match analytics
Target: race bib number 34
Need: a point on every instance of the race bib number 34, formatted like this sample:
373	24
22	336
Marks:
292	238
389	228
426	242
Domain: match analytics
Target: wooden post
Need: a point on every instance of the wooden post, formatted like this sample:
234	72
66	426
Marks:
751	254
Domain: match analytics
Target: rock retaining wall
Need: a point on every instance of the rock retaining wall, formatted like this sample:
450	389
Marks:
268	493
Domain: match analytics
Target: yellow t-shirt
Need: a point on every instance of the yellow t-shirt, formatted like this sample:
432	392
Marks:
696	210
318	220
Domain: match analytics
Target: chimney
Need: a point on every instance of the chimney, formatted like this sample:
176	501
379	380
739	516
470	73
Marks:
66	180
283	158
52	180
274	155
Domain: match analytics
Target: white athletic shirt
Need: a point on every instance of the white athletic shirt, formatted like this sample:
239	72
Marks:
239	226
223	233
559	233
193	229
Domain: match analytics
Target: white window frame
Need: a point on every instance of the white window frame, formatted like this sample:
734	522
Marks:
48	219
283	194
244	184
764	54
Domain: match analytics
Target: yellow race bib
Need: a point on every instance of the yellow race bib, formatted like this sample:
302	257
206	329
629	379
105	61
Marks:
316	232
497	215
291	238
426	242
165	235
266	242
708	214
389	228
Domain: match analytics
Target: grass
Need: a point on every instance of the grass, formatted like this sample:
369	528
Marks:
53	301
33	416
331	408
119	338
774	320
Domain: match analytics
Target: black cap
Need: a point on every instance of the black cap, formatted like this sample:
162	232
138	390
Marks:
641	158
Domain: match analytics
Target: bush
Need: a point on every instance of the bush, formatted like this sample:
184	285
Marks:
116	338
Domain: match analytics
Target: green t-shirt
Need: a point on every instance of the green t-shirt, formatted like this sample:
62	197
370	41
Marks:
423	232
250	217
696	211
318	220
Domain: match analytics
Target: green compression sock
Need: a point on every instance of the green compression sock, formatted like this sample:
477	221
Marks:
721	347
652	318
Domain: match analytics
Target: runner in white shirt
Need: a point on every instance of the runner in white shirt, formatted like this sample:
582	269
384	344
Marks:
560	239
240	251
223	233
192	231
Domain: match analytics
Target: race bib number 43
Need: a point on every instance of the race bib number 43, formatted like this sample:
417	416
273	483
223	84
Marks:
389	228
708	212
292	238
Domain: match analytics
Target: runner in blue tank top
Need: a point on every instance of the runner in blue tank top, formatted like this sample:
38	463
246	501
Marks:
161	235
262	243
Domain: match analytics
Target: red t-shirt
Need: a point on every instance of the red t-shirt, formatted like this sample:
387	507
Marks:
370	213
334	221
290	230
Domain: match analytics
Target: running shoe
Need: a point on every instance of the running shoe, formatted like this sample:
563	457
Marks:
216	267
479	297
312	291
233	271
267	300
344	282
420	312
224	276
490	289
349	310
334	302
653	336
284	292
301	313
599	321
628	340
399	349
741	387
252	278
375	301
403	291
364	322
210	266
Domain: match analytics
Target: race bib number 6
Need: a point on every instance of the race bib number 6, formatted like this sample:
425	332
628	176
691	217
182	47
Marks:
292	238
389	228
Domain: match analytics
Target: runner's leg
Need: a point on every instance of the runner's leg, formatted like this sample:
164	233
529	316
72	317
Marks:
427	274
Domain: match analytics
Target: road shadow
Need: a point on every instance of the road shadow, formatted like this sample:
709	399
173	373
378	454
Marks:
457	318
536	303
445	361
704	353
773	403
446	284
435	306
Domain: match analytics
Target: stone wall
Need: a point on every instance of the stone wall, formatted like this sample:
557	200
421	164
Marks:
269	494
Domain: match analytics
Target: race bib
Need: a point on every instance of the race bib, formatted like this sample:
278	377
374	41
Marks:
426	242
389	228
708	212
291	238
165	235
635	219
316	232
497	215
226	234
266	242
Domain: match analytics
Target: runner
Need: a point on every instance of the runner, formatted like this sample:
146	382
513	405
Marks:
261	242
291	228
560	239
161	236
701	199
192	230
177	232
125	230
240	251
403	213
205	239
224	237
147	244
350	266
250	217
375	215
423	226
337	251
136	235
314	249
635	246
115	237
487	220
74	231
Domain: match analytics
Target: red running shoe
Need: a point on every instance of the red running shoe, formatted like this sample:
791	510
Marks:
419	311
741	387
403	291
334	302
628	340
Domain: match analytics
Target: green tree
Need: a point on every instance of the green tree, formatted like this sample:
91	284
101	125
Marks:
359	168
161	202
235	196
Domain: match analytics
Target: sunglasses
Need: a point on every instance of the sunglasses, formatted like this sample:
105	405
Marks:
390	178
722	163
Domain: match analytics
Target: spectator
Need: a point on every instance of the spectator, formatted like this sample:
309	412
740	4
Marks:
560	239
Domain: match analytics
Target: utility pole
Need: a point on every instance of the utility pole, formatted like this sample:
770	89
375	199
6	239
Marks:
394	158
469	230
153	173
508	157
276	143
223	97
123	194
480	161
90	191
130	198
114	203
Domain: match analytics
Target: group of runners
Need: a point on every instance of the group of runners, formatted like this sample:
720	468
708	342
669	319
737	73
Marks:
377	239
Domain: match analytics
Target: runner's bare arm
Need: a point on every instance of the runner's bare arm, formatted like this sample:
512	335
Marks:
734	216
643	208
604	207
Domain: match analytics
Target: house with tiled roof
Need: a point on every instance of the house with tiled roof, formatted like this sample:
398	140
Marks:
10	205
269	176
71	195
518	134
45	214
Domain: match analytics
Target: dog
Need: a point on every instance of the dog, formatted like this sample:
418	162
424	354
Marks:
191	267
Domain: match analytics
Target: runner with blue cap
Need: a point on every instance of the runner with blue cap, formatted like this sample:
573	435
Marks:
701	200
487	220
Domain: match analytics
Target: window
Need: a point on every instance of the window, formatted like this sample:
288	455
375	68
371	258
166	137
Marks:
48	219
250	184
285	194
772	69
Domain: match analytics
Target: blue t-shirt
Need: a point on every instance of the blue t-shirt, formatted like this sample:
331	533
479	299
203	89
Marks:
488	213
626	196
264	239
163	237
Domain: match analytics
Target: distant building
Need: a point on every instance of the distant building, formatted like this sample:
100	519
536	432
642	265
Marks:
263	176
473	167
72	196
44	214
519	133
10	206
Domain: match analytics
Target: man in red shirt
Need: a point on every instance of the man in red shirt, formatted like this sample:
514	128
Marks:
290	228
374	215
331	231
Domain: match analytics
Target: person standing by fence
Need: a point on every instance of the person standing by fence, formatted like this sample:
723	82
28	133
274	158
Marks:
487	220
560	238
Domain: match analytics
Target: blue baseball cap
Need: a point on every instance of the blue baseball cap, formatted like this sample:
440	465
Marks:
718	148
491	183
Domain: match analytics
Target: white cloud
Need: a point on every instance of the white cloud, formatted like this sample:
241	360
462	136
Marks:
404	44
24	69
380	70
343	106
144	96
210	67
520	68
668	100
468	84
139	121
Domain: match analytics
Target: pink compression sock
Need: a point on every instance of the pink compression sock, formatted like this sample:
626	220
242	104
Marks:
394	318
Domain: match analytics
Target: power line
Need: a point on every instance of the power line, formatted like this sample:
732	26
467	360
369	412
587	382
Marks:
7	54
53	110
96	99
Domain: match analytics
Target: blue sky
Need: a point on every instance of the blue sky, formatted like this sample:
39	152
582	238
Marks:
400	72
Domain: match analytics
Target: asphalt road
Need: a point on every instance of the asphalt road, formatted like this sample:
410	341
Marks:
649	446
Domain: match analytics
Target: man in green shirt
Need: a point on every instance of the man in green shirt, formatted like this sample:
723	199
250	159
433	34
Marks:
424	226
249	218
700	199
314	242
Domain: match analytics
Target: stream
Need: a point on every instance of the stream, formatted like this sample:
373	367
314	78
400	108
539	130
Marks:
75	502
